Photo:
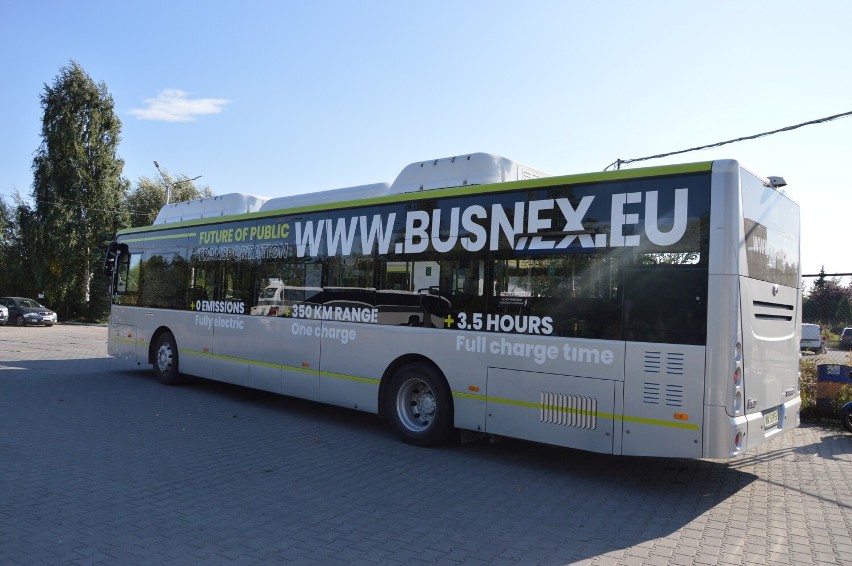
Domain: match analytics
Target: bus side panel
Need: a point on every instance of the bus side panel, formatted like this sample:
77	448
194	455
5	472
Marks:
296	354
229	348
663	400
122	341
278	360
355	356
194	337
563	410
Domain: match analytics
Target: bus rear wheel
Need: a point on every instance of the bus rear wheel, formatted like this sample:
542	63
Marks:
419	405
166	359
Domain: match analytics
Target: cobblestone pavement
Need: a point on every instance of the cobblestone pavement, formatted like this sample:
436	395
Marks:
100	464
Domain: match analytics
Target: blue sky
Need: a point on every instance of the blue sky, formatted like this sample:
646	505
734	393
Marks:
278	98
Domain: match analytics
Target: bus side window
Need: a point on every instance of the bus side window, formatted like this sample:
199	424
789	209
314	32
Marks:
666	304
127	279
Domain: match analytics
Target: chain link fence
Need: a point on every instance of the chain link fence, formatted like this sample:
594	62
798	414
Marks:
826	346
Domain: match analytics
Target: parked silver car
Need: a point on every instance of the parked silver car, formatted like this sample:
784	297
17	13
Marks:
4	315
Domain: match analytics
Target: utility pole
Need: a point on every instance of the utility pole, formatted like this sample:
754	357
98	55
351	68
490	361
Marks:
170	185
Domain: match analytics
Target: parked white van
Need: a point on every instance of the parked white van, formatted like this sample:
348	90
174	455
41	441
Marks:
812	339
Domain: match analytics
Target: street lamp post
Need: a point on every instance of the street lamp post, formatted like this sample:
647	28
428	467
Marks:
170	185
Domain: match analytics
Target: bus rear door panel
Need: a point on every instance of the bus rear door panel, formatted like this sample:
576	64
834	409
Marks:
769	342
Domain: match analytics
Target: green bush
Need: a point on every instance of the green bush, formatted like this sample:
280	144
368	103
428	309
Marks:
844	395
808	384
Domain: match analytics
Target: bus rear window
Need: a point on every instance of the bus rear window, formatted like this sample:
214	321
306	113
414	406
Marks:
771	224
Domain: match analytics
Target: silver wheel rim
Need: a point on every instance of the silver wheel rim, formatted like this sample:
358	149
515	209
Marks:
416	405
164	358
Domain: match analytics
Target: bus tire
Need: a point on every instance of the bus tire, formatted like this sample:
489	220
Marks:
166	359
419	405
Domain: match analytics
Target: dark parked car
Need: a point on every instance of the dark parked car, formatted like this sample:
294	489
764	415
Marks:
846	339
23	311
846	415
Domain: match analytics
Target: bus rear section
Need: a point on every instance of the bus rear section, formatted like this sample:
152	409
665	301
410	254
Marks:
753	358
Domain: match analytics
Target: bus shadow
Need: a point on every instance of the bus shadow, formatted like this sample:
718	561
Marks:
39	368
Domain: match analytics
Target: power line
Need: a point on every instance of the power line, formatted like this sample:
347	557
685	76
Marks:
619	162
62	200
828	275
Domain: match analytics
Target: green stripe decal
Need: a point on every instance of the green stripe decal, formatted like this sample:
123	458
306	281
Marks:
246	361
350	377
280	366
598	414
166	237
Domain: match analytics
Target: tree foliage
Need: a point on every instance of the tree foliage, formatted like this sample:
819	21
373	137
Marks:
15	252
8	239
78	193
827	302
149	196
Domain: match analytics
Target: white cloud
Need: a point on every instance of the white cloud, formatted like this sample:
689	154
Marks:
173	105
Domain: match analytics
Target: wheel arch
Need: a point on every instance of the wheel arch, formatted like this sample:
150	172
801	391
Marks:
398	363
152	343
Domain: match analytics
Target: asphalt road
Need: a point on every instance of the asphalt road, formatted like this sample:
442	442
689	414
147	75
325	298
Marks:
101	464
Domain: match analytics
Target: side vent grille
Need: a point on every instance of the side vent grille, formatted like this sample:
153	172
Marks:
569	410
670	363
651	393
674	395
781	312
670	395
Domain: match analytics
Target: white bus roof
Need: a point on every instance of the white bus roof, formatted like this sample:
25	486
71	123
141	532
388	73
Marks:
458	171
209	207
324	197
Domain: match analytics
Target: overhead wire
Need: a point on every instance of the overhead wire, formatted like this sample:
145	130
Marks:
61	200
619	162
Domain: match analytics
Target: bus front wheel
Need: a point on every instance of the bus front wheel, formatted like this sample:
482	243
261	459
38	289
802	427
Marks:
419	405
166	359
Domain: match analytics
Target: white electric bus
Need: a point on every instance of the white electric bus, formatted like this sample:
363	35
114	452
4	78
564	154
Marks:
649	312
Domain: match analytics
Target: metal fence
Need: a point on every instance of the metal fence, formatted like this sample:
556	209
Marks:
826	362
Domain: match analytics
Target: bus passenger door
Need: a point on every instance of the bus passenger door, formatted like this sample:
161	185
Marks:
231	290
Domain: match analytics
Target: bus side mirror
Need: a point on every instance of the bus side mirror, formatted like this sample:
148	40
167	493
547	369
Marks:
109	258
115	252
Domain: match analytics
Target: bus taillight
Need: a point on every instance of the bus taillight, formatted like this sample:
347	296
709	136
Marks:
737	380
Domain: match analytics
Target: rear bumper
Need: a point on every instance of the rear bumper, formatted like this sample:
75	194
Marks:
729	437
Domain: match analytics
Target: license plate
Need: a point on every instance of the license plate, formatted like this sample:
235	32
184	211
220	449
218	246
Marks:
770	419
